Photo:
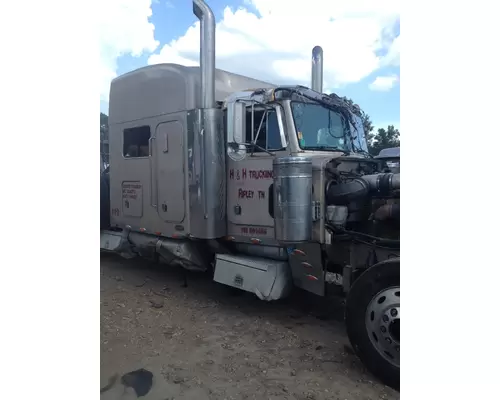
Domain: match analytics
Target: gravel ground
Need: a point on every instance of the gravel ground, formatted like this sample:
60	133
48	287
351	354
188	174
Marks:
206	341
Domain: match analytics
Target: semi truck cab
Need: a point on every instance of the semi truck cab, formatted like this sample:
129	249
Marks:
267	187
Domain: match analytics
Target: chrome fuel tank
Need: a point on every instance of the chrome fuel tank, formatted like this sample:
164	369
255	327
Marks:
293	199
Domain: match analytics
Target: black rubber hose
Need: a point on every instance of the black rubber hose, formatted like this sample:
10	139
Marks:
346	192
387	211
379	240
383	183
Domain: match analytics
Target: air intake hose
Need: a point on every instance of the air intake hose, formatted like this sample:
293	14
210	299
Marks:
387	211
383	182
346	192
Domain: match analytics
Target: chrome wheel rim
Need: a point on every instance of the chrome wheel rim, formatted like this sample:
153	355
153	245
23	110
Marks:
383	323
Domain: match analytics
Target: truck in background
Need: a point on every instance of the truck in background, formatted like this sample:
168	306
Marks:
391	158
268	187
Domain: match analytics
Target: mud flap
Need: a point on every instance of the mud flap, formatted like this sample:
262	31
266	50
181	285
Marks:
307	267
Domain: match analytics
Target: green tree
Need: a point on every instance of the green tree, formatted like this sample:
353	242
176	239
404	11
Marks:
385	138
104	127
367	123
367	127
104	146
382	139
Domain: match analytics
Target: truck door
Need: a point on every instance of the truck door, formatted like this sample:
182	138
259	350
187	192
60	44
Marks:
169	155
250	180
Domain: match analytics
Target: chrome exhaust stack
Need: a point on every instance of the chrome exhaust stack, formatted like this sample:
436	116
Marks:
209	212
207	52
317	69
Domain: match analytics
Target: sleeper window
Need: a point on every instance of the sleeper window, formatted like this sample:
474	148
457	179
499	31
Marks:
136	142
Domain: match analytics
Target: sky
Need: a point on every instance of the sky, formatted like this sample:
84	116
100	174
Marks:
270	40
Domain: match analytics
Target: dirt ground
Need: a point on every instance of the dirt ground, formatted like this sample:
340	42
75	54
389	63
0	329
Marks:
206	341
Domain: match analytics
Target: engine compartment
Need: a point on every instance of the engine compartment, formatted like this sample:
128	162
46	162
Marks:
362	213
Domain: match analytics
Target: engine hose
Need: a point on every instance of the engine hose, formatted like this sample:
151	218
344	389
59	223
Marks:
379	240
346	192
387	211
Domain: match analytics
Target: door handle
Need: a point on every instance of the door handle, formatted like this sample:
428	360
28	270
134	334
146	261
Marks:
165	148
150	146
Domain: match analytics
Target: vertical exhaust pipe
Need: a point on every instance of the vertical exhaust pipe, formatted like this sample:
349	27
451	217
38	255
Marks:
208	212
207	52
317	69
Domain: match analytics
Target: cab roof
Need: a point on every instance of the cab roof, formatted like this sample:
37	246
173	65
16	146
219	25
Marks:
168	88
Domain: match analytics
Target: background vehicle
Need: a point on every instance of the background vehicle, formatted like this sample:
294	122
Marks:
267	186
391	158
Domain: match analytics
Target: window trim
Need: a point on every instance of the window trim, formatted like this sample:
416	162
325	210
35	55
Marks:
278	109
149	143
345	125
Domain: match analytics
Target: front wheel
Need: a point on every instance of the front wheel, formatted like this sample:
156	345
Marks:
373	320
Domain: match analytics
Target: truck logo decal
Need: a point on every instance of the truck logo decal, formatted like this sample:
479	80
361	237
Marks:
250	194
237	174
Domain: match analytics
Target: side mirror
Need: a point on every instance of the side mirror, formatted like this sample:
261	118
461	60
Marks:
236	122
236	130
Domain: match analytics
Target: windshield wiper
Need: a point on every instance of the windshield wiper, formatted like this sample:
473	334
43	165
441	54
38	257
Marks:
330	148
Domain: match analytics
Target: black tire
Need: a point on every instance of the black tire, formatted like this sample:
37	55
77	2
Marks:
105	202
383	277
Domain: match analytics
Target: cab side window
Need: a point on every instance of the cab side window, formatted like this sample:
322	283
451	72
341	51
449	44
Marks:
269	134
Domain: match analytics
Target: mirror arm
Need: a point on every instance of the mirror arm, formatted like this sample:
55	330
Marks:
257	146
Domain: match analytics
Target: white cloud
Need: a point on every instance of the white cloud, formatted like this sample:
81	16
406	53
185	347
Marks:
275	43
392	56
124	28
383	83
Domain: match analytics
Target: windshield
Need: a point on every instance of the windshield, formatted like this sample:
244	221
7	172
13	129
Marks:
317	126
358	133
